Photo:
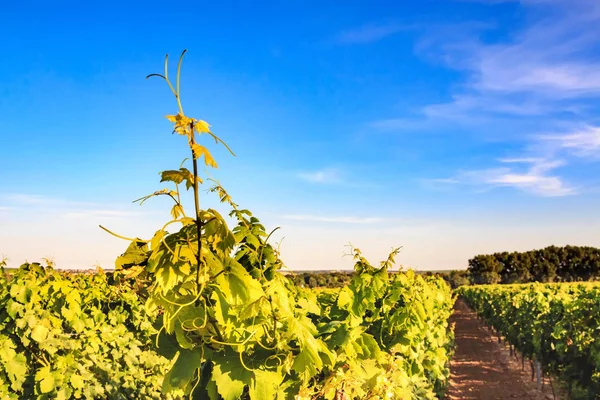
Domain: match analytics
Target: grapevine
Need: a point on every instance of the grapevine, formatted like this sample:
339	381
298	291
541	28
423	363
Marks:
242	330
202	311
554	324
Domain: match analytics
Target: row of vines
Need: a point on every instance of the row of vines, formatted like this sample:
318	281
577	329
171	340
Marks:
201	310
557	325
89	336
76	336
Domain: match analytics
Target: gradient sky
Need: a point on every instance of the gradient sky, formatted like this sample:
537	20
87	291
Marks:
450	128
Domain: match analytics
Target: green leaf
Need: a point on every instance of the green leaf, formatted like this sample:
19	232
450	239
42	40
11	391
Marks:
229	375
189	178
181	375
345	299
157	238
305	364
16	368
309	303
172	176
136	254
182	338
13	308
39	333
77	381
178	176
167	345
265	384
45	378
166	277
19	293
238	286
368	345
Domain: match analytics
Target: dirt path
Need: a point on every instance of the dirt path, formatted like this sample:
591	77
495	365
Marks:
482	368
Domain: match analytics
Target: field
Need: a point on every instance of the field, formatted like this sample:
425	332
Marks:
202	310
94	336
383	335
555	325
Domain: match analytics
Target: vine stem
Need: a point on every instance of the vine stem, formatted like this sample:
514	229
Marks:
122	237
197	206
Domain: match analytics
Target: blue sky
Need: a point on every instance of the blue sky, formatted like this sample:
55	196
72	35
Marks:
450	128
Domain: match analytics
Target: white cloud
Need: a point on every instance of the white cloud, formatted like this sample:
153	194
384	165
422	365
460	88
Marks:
584	142
90	213
65	208
526	160
544	77
325	175
545	153
23	199
550	56
335	219
547	66
467	107
549	186
535	178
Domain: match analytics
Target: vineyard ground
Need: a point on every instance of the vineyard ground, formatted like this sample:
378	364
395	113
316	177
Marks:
483	369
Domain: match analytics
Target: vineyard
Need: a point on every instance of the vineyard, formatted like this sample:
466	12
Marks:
555	325
75	336
201	311
89	336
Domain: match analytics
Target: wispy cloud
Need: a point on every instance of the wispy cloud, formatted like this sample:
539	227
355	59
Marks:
584	142
543	77
25	199
547	66
322	176
367	33
536	178
544	154
65	208
334	219
89	213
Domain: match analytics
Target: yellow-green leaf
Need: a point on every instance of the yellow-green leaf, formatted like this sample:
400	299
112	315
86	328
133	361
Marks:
77	381
172	176
45	378
39	333
182	123
264	384
200	151
230	375
182	372
202	126
176	211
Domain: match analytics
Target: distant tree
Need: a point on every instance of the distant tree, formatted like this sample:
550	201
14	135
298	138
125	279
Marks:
457	278
321	279
569	263
485	269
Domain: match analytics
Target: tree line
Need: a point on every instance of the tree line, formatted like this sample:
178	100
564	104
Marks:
551	264
335	279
